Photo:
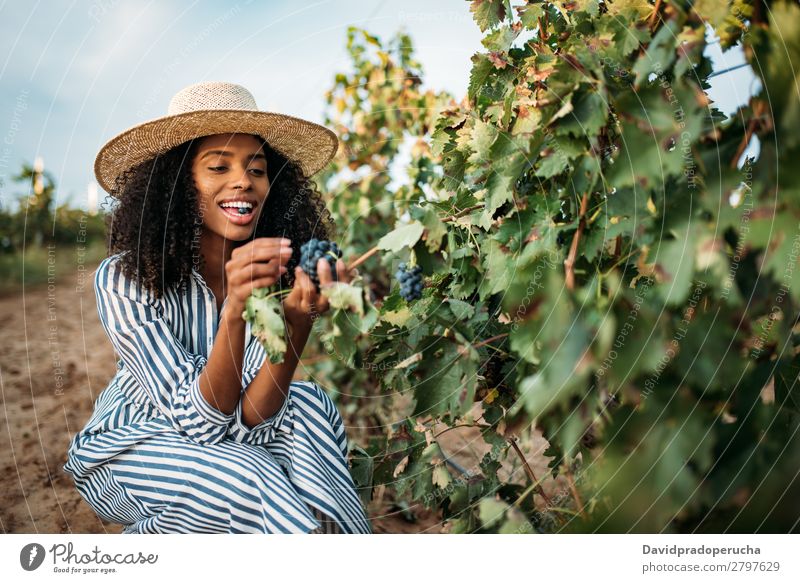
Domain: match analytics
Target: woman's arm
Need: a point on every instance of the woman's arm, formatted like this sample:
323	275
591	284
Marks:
220	381
266	393
268	390
256	264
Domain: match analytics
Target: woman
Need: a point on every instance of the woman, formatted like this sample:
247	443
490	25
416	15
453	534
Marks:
198	431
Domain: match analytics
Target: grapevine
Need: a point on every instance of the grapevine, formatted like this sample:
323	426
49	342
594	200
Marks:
609	269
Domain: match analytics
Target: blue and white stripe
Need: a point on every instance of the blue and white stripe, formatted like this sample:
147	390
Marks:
158	458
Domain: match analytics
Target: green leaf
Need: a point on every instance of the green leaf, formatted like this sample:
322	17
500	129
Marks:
482	70
604	232
500	40
448	381
787	389
362	468
643	161
776	236
592	7
552	165
488	13
341	339
529	15
453	166
482	138
491	511
345	296
674	268
549	332
499	268
435	229
656	461
461	310
660	53
402	236
712	11
557	153
588	116
499	190
265	315
641	8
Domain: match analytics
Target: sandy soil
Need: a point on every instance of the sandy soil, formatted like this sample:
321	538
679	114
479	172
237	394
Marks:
54	361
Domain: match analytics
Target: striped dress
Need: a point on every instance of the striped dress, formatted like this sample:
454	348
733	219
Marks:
156	457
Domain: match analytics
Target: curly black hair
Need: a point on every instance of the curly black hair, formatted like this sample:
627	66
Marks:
155	222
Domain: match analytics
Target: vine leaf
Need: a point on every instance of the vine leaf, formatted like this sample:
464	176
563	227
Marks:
403	236
345	296
265	315
488	13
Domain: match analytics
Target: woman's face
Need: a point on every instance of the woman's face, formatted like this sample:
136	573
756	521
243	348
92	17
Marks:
230	173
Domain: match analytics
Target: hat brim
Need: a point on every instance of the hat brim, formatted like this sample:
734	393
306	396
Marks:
307	143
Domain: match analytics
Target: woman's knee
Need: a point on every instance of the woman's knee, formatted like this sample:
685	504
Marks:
312	392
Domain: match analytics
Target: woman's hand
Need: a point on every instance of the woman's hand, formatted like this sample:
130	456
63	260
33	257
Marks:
259	263
304	304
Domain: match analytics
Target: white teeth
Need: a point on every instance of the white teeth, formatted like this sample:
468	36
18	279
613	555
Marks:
237	204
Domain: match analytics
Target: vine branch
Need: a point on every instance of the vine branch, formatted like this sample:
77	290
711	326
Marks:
531	476
489	340
481	425
463	350
569	262
574	490
654	15
363	258
758	106
463	212
543	26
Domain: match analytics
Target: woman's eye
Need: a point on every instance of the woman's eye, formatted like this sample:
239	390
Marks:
258	171
217	168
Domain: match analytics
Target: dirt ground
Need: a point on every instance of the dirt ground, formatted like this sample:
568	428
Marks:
54	361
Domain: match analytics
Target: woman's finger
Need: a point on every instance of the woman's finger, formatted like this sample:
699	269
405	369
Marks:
260	249
238	271
324	272
341	271
306	288
254	271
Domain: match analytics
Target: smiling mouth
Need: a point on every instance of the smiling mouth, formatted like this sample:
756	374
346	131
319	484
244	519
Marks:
240	212
237	208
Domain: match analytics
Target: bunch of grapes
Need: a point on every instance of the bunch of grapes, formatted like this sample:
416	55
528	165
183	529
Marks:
410	279
312	251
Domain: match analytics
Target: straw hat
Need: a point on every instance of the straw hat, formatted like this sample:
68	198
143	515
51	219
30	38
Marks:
211	108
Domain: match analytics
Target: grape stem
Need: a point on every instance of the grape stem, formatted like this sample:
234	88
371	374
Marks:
279	293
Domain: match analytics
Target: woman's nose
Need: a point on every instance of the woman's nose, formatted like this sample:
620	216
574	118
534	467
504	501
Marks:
244	182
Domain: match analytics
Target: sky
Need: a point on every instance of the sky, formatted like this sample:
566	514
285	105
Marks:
75	74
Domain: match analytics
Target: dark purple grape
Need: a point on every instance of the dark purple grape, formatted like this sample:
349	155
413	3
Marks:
410	279
312	251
